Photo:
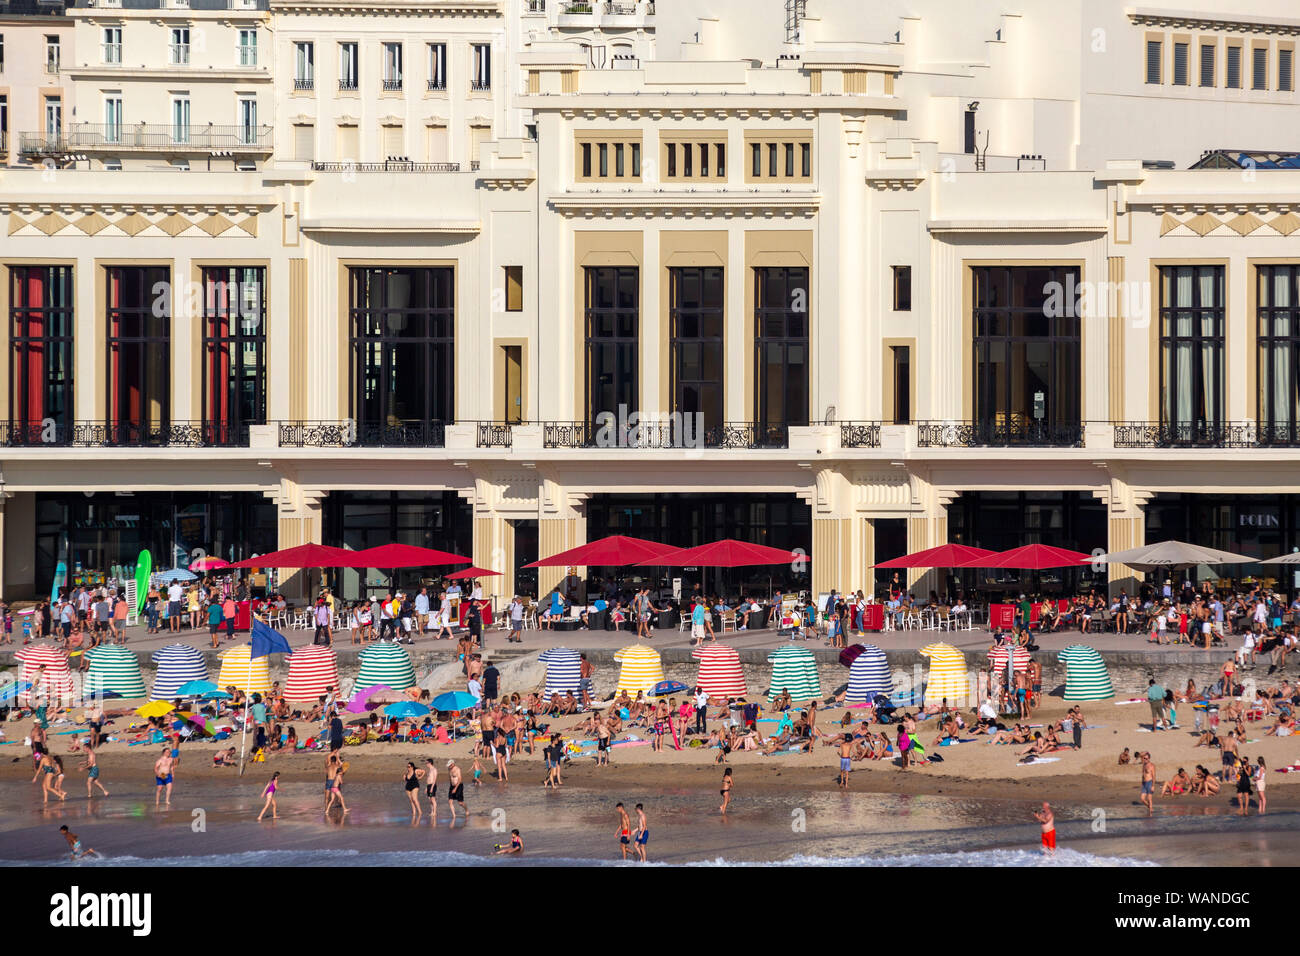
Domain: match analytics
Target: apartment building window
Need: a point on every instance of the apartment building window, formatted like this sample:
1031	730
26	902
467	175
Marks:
1233	79
787	159
1278	343
40	348
782	373
113	119
304	141
180	119
4	122
392	67
180	46
402	328
1208	51
138	344
234	352
113	45
611	304
613	158
248	47
514	278
902	288
1180	64
1154	53
1027	355
52	54
2	52
53	116
348	66
304	65
1285	71
1259	67
1191	350
695	316
901	356
247	121
481	79
701	159
437	66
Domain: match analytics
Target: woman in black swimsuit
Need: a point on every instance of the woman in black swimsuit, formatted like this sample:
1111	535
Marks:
412	784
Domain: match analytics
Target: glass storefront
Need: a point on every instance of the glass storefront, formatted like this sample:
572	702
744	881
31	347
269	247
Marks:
1260	526
104	531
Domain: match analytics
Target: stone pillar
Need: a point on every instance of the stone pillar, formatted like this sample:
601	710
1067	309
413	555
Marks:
1126	528
561	525
299	522
494	545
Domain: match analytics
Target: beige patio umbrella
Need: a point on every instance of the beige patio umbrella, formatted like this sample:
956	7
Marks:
1172	555
1292	558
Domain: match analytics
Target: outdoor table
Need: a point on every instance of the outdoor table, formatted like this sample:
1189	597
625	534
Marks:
758	620
670	618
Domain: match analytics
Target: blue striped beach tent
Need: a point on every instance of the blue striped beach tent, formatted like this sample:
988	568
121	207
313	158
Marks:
794	669
563	669
176	663
868	676
385	663
113	668
1086	677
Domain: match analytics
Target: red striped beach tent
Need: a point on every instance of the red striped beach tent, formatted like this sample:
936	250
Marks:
1021	657
45	667
313	670
720	672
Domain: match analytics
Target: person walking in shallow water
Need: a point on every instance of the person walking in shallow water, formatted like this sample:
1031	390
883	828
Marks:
269	793
1048	821
725	792
91	765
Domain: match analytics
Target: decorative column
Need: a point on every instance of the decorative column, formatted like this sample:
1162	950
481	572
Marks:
298	512
1126	528
561	524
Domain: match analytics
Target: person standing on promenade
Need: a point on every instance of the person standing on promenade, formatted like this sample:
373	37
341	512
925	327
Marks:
1148	783
1048	820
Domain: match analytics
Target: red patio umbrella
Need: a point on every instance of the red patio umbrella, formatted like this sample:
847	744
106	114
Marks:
944	556
727	553
402	556
615	551
1032	557
302	556
473	572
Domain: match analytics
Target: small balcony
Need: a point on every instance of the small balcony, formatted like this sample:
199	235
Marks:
304	83
495	434
388	166
1207	435
393	85
1002	433
347	84
352	434
147	137
859	434
183	434
665	435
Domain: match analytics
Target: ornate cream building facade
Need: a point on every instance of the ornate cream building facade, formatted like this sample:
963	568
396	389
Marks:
869	280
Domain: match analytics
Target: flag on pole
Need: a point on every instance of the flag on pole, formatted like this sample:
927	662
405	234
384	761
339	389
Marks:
267	640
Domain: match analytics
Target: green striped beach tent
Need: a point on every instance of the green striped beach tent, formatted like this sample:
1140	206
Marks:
794	669
114	668
385	663
1086	677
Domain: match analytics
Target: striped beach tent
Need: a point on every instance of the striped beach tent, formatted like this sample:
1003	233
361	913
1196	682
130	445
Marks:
45	667
794	669
947	675
1086	677
563	671
720	671
114	668
868	676
642	669
176	664
239	670
386	663
313	670
1019	656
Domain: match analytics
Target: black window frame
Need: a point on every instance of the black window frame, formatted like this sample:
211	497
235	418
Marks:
1274	429
1194	429
153	346
59	391
238	341
690	310
611	298
782	328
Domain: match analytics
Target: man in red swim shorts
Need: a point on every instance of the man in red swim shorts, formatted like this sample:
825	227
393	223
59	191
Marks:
1048	820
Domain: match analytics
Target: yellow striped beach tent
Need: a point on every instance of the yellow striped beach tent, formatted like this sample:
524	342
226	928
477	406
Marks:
794	669
114	668
947	675
250	676
386	663
1086	677
642	669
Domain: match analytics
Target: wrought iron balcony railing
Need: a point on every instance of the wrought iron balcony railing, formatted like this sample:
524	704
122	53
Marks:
999	434
351	434
859	434
391	166
1207	435
665	435
187	434
495	434
158	137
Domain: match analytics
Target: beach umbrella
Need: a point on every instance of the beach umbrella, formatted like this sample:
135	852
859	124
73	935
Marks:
666	687
1086	677
563	671
405	709
239	669
617	550
209	562
794	669
868	676
113	669
727	553
389	695
474	572
1032	557
386	663
403	556
642	669
313	670
302	556
357	703
454	700
215	695
720	673
176	665
177	574
1173	555
944	556
1019	656
45	667
1292	558
196	688
10	691
157	708
947	674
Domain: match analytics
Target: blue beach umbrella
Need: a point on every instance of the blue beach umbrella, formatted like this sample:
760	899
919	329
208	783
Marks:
665	687
454	700
11	691
406	709
196	688
178	574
